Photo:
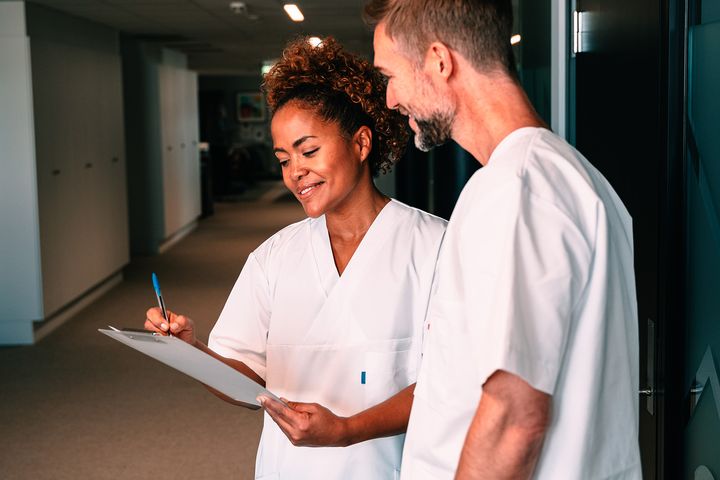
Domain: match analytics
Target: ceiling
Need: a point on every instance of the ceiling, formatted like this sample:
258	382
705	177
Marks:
218	41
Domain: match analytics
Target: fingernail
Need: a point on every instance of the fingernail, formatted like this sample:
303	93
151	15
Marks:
261	400
174	326
164	326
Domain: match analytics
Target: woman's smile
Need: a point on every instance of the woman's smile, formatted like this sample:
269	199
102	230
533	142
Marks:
306	190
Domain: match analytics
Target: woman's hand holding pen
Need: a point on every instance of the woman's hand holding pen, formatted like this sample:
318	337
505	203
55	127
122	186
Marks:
308	424
179	325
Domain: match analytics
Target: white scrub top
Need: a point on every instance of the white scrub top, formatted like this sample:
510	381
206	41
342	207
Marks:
347	342
535	277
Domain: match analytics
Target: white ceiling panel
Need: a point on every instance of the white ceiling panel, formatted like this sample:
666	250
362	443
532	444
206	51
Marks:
217	40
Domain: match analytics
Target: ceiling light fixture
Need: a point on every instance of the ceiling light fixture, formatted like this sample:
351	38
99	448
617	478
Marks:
314	41
241	10
238	8
515	39
293	12
267	65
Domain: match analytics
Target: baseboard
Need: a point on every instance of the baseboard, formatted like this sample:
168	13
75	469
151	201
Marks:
177	236
51	323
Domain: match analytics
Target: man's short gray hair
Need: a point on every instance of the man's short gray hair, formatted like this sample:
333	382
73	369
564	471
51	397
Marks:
479	30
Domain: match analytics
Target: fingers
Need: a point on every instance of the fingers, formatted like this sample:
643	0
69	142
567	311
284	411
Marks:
293	424
310	408
156	322
179	323
306	424
278	409
290	410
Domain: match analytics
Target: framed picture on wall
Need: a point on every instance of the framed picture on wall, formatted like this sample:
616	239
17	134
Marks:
251	107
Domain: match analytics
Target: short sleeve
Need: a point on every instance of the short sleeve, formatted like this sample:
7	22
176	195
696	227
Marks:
242	328
533	270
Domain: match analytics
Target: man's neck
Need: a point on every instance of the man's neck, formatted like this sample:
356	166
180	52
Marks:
489	108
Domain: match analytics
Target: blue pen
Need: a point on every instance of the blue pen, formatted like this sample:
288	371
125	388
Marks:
161	303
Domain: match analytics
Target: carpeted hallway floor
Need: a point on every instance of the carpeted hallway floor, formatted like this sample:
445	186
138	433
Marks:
80	406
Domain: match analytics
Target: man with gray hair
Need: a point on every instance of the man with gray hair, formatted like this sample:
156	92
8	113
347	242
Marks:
530	356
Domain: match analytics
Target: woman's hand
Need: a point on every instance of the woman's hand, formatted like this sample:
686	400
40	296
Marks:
307	424
180	325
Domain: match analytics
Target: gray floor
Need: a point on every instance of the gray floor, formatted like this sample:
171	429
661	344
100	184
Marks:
78	405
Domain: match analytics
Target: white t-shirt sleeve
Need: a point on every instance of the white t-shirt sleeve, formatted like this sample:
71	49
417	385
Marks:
242	328
538	270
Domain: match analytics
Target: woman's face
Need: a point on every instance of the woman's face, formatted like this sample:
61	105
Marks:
319	166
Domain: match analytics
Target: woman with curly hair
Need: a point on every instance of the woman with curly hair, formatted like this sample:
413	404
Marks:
331	309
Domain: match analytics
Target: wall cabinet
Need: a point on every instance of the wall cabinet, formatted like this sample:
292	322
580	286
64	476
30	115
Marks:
179	139
64	208
162	141
80	169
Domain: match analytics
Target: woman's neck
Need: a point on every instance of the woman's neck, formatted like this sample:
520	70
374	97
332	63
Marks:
350	221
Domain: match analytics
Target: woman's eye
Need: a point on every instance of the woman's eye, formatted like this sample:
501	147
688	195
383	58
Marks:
283	163
310	153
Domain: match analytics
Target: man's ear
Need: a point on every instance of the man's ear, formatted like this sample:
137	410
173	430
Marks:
363	142
438	60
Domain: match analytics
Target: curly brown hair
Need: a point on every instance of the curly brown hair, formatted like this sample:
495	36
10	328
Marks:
340	87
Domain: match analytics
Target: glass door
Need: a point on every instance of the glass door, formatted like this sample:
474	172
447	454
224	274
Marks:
702	335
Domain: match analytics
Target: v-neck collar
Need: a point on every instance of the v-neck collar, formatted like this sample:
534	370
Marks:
322	250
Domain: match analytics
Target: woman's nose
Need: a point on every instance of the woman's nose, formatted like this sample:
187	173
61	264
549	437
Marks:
298	170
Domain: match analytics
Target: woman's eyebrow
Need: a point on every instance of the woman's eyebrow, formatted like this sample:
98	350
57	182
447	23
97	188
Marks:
300	140
295	144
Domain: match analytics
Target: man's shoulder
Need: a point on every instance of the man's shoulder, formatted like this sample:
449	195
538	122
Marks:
533	173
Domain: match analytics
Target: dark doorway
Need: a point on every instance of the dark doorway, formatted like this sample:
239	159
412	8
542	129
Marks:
619	126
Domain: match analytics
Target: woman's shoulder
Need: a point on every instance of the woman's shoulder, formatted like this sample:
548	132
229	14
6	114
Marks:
288	237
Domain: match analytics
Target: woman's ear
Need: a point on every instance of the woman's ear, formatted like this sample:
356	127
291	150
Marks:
362	141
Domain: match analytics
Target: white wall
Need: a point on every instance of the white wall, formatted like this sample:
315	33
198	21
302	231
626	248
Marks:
20	274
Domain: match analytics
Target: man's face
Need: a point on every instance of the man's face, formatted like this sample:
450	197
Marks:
411	90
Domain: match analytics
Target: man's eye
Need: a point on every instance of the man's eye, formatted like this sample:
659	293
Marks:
284	163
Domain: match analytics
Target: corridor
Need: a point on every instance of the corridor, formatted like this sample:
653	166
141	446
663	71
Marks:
78	405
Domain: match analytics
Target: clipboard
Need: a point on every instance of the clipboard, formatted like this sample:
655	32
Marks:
193	362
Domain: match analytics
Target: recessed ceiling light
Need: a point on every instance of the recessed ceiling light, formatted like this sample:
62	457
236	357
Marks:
267	65
515	39
293	12
314	41
238	8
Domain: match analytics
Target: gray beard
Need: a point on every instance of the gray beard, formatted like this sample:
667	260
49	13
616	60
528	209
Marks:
433	132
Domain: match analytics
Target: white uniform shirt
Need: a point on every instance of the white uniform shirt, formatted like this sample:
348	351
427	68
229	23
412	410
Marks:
535	277
347	342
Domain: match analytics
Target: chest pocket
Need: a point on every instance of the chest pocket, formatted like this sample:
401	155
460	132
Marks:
388	367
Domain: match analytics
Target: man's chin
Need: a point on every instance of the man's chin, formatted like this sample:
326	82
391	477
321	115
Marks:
421	145
430	133
425	144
